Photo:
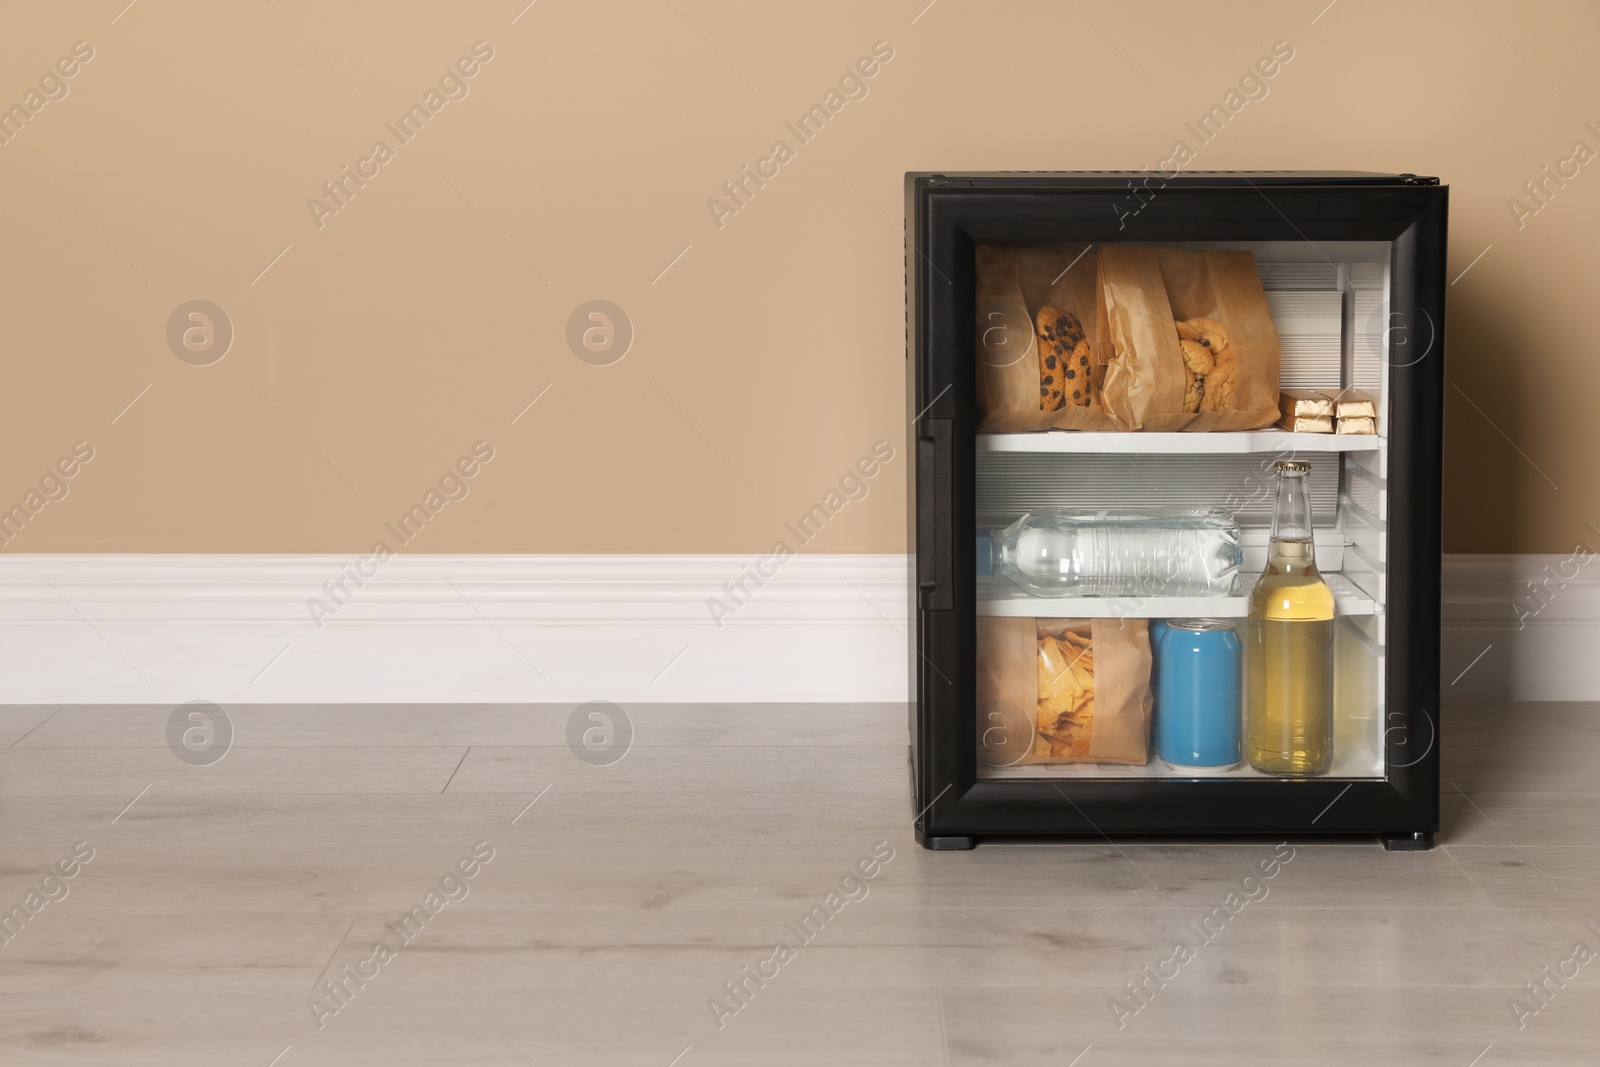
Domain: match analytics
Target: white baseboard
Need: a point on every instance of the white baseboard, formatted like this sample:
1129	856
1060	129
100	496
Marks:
1542	645
172	628
238	629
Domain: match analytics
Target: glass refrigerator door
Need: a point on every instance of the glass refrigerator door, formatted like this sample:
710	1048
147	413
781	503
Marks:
1091	542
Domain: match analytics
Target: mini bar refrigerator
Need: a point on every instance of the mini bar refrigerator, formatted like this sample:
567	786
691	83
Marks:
1351	267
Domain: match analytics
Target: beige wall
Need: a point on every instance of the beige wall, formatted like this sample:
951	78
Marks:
769	358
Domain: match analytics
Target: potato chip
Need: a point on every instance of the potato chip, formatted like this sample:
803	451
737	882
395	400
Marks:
1084	675
1059	687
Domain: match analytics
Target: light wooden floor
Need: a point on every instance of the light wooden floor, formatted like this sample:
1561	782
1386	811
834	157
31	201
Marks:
621	902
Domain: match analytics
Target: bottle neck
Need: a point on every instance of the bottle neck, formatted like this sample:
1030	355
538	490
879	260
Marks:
1291	517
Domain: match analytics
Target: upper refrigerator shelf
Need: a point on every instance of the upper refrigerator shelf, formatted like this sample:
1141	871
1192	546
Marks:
1089	441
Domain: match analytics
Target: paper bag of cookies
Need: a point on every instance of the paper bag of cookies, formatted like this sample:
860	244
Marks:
1038	359
1063	691
1192	345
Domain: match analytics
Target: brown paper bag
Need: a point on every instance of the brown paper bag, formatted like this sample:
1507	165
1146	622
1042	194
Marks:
1031	671
1013	284
1226	286
1143	291
1144	369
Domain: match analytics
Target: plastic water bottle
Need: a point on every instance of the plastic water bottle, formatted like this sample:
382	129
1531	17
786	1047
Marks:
1117	552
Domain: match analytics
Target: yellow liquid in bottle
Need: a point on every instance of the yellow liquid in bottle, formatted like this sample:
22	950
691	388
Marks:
1289	662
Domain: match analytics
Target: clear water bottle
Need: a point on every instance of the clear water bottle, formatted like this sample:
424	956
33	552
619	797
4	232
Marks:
1117	552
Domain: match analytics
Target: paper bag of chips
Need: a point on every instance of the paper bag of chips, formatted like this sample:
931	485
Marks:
1063	691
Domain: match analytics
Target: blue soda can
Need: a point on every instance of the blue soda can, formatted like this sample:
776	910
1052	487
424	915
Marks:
1158	630
1197	693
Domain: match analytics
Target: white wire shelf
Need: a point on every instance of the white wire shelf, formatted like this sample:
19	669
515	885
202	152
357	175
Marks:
1245	441
997	596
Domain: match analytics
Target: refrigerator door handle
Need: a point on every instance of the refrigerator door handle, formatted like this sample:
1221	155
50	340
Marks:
935	538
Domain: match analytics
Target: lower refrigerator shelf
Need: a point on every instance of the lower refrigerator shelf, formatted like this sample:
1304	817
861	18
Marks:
1347	766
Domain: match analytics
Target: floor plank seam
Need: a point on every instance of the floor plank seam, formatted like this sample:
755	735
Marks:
41	722
459	762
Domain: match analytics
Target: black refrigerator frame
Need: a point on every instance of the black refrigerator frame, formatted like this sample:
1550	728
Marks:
947	215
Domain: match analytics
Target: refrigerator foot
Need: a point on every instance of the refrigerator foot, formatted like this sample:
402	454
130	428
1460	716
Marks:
943	843
1418	842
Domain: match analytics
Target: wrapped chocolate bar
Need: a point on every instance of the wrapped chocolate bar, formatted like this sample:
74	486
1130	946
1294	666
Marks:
1354	404
1306	423
1305	411
1356	412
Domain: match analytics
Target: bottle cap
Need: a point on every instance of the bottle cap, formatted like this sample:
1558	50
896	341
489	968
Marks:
985	553
1299	466
1200	625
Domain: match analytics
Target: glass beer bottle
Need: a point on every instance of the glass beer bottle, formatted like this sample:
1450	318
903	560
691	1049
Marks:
1289	644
